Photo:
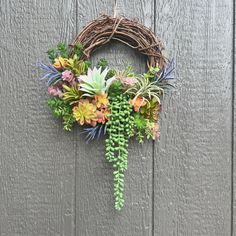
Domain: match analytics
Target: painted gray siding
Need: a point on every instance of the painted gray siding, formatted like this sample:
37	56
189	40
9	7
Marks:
52	184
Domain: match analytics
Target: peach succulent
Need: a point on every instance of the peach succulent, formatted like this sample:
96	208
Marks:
85	113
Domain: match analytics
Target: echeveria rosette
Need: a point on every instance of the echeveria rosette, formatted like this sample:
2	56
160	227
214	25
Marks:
85	113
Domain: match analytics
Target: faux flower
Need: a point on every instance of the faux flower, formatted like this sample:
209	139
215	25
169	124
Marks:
85	113
59	63
55	91
137	103
68	76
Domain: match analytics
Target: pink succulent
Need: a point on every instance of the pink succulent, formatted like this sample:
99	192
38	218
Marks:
101	117
55	91
128	81
67	75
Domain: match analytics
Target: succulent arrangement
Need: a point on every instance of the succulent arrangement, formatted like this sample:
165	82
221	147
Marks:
106	102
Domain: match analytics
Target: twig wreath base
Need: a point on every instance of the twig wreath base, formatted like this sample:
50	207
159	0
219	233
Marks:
105	101
129	32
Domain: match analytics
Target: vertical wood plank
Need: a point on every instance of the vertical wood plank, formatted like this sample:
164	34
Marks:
233	215
193	157
37	156
95	214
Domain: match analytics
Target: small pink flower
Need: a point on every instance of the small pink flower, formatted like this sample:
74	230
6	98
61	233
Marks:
67	75
55	91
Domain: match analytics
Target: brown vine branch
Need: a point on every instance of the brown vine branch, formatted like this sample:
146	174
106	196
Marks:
130	32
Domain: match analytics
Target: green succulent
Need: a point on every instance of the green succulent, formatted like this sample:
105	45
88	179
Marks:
78	67
151	72
102	63
95	82
140	125
151	110
115	89
120	129
78	49
128	72
71	94
146	89
59	50
139	121
61	109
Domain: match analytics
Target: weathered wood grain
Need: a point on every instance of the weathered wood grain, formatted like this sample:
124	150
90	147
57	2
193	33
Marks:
95	214
193	157
233	215
37	157
52	183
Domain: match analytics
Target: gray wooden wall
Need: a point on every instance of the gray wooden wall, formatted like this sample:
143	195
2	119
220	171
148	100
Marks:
52	184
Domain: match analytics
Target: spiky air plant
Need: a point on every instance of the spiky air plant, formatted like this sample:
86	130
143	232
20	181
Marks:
128	72
95	82
51	73
94	132
166	74
145	89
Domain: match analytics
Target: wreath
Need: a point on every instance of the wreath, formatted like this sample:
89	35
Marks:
106	101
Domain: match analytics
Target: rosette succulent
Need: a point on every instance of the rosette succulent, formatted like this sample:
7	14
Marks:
85	113
95	82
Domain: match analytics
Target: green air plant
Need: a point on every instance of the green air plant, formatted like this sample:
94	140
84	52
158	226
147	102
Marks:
128	72
146	89
120	129
61	109
71	94
151	73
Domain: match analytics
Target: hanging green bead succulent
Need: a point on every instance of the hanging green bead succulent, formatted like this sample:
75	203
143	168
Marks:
120	129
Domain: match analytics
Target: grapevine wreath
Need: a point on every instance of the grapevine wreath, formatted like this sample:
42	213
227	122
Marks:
106	101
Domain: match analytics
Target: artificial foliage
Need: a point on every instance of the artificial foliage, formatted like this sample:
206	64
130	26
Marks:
120	129
107	102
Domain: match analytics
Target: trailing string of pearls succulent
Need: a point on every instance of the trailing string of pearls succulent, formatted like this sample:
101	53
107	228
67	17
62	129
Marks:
120	130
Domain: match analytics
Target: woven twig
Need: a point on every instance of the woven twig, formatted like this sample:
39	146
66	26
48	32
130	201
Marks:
132	33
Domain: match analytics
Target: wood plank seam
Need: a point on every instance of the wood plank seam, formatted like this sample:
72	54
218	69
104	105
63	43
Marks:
153	146
76	146
233	127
